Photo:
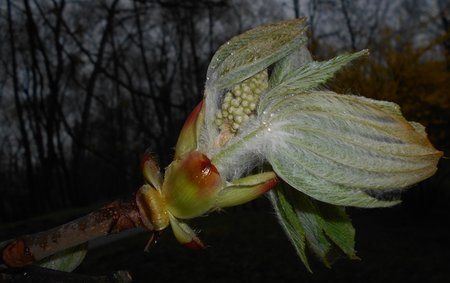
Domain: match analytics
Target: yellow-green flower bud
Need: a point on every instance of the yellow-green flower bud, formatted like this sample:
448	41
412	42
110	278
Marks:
240	102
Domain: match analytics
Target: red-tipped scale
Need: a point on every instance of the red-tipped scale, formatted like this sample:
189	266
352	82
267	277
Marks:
187	140
245	189
185	235
150	170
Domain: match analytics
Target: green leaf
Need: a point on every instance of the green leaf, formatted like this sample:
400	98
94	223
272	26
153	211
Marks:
254	50
288	64
335	147
326	229
288	168
66	260
338	227
290	223
310	218
306	77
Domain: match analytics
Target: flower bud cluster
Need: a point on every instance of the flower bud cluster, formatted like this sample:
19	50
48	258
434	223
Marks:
240	102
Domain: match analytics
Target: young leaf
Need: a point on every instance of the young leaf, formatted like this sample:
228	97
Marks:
289	221
334	147
253	51
66	260
309	216
288	64
294	175
326	229
337	225
307	77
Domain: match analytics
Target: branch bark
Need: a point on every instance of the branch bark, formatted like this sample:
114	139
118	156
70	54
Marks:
38	274
114	218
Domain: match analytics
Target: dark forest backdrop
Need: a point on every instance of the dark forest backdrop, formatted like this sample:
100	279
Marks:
86	86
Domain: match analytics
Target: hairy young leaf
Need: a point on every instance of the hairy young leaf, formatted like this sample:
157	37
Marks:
311	220
290	222
337	225
306	77
324	230
288	64
334	147
253	51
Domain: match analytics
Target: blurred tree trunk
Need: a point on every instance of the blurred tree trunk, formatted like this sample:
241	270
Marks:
24	140
296	8
53	172
444	15
82	129
348	24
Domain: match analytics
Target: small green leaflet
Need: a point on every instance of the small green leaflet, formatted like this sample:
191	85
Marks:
309	76
290	223
288	64
321	229
66	260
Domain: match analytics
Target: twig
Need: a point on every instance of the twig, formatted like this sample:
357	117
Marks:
37	274
114	218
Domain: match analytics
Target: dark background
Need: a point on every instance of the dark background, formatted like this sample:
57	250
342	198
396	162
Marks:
87	86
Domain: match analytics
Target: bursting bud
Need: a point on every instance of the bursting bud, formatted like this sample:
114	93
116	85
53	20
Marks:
191	185
265	118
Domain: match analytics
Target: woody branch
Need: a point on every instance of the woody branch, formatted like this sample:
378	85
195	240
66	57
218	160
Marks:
114	218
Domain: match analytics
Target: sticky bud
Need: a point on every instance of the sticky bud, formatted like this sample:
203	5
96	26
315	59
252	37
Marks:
191	185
